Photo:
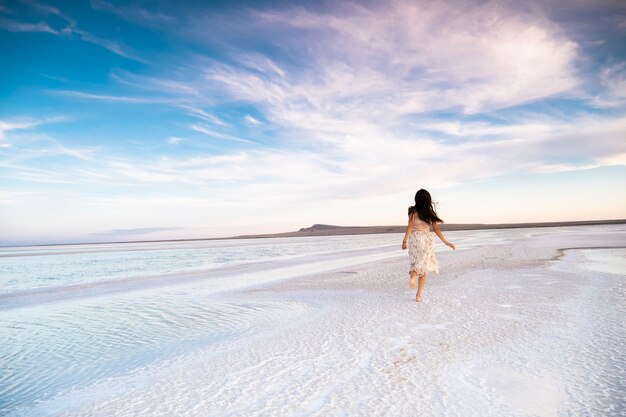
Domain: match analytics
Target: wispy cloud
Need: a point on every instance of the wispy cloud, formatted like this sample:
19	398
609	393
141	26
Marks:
350	78
356	167
69	28
404	58
114	46
133	13
613	79
174	140
260	64
136	231
151	83
188	92
43	8
107	97
7	126
16	26
191	107
206	116
251	120
218	135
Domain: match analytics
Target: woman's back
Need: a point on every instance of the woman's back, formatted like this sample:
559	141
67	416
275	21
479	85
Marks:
420	225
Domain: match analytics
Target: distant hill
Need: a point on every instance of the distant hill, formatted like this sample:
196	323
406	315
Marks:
317	227
331	230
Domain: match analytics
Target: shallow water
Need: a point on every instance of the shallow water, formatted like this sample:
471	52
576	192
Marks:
49	348
73	315
47	266
611	261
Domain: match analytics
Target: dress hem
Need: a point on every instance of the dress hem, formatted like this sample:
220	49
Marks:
436	271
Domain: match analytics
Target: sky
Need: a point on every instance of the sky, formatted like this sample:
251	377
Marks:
162	120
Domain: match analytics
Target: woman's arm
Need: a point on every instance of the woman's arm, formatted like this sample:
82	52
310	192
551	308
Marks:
443	239
408	231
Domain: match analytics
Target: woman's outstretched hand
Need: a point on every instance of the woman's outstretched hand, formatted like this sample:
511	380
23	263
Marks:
451	245
403	245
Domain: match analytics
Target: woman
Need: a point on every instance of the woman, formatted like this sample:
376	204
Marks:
420	241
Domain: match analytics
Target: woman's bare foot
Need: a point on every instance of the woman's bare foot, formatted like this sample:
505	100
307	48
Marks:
418	296
412	283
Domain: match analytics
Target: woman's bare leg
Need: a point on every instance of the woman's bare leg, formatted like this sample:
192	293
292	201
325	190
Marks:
413	276
420	287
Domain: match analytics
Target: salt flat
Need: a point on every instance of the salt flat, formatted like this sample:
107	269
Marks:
514	327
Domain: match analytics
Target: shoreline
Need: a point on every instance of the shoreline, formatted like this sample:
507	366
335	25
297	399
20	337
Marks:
330	230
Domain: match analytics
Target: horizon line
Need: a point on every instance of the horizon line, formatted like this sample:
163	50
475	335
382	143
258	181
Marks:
303	232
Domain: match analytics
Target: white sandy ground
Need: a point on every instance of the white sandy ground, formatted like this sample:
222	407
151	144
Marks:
504	330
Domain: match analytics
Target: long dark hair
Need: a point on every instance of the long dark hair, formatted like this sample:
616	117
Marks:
424	207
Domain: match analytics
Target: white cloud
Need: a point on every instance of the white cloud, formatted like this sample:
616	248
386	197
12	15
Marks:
617	159
351	167
251	120
218	135
483	129
356	73
613	80
206	116
260	63
411	57
174	140
7	126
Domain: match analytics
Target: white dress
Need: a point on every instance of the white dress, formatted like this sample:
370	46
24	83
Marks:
422	248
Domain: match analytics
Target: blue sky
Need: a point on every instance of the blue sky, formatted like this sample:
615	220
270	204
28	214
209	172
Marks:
150	120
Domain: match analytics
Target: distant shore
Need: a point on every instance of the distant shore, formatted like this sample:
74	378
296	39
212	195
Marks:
331	230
